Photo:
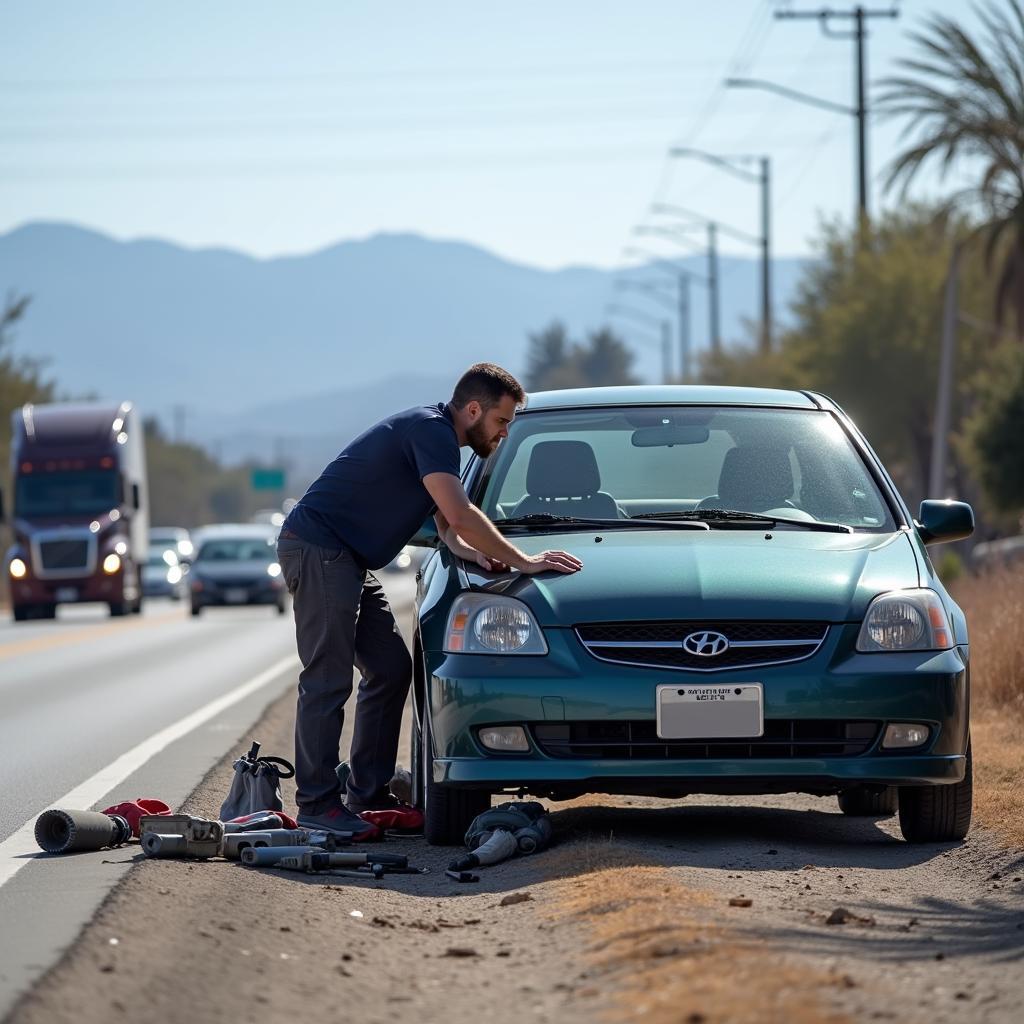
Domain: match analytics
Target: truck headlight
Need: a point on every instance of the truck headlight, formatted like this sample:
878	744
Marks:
18	569
492	624
112	563
905	620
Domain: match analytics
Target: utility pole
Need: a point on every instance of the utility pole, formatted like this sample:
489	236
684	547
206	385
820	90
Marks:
859	15
713	306
682	277
944	393
766	255
666	351
684	326
763	179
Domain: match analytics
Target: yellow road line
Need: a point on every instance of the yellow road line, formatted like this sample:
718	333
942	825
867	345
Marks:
86	633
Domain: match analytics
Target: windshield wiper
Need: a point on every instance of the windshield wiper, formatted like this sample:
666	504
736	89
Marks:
547	519
715	515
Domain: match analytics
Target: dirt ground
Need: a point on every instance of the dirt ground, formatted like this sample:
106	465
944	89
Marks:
705	910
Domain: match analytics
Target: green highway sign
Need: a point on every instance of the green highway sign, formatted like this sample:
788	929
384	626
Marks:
268	479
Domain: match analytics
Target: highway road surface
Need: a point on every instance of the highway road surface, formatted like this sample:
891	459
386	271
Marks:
94	710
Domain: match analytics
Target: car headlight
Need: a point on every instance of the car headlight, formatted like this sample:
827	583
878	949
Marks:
173	575
905	620
273	570
17	568
112	563
491	624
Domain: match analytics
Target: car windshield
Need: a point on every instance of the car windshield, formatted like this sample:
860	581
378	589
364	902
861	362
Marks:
163	557
622	463
237	549
80	491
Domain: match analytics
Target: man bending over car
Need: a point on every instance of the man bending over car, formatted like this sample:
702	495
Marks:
355	517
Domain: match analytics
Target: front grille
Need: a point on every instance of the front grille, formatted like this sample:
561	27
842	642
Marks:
783	738
660	644
63	554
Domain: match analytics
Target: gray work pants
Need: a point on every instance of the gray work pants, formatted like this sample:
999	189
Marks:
342	618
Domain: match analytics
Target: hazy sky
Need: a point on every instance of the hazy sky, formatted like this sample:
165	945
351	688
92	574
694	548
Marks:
537	130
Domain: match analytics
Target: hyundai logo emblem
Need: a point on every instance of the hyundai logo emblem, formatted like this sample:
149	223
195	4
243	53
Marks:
706	644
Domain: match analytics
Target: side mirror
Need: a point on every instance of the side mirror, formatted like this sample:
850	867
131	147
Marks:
426	536
135	496
942	521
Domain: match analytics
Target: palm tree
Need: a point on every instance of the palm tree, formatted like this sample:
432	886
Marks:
965	97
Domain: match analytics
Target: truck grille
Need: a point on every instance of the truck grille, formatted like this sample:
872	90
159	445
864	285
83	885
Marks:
783	738
64	555
660	644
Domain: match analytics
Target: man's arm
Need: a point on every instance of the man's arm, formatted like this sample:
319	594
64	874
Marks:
466	522
460	548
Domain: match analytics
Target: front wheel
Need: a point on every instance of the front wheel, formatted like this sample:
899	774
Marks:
868	802
938	814
447	810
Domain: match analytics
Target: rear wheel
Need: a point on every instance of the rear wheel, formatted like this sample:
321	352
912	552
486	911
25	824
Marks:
869	801
938	814
447	810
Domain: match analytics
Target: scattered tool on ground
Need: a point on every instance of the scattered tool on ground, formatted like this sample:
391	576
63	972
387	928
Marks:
59	831
504	831
181	835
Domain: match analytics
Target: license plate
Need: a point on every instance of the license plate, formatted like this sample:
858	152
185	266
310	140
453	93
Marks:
718	711
67	594
236	596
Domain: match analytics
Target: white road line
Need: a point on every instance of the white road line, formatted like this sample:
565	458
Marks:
15	849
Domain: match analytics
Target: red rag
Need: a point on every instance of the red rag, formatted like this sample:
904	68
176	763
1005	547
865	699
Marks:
397	817
133	810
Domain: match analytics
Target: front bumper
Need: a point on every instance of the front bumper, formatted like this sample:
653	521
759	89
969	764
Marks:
73	590
270	591
466	692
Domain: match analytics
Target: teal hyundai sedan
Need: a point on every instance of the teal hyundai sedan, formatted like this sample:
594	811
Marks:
757	613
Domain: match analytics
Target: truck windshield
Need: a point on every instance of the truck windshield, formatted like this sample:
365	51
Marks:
75	492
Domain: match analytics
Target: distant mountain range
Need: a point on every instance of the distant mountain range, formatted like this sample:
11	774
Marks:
286	358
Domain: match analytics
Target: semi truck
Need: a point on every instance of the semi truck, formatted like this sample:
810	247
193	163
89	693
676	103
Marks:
79	514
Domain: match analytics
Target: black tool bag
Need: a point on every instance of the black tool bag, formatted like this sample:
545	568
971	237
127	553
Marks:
256	785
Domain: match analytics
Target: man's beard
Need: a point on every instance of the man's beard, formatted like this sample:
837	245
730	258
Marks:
479	440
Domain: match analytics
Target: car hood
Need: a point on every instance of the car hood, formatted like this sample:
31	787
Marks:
728	574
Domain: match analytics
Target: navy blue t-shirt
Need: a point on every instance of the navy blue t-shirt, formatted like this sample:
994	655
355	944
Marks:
371	497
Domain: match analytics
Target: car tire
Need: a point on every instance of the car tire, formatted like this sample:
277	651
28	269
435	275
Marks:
869	801
281	609
938	814
447	810
119	608
22	612
196	609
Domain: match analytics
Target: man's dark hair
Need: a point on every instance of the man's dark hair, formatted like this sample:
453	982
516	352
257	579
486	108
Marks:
486	383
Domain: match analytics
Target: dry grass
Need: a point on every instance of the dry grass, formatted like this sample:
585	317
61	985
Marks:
994	604
659	953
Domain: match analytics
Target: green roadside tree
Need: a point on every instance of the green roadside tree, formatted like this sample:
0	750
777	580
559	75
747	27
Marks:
866	332
963	94
554	361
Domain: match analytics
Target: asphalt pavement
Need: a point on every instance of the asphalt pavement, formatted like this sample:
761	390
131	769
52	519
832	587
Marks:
105	709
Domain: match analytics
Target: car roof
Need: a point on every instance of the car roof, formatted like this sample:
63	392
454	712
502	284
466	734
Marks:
671	394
